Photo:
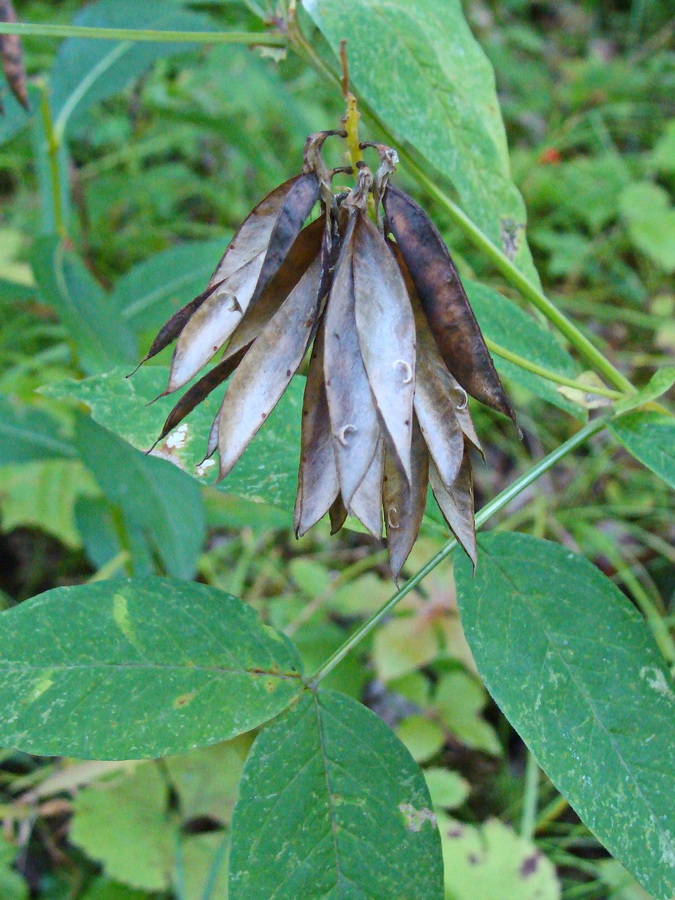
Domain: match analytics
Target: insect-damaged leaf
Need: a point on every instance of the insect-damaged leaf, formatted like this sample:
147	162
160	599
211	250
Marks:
386	330
354	422
331	805
11	57
142	667
318	482
267	369
456	504
404	502
444	300
235	281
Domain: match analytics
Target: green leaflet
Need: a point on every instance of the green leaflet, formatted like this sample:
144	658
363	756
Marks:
575	669
139	667
344	811
650	437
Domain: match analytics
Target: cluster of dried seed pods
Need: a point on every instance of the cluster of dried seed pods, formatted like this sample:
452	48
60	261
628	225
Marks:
11	57
395	349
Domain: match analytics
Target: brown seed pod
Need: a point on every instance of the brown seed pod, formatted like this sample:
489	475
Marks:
444	301
366	502
11	57
456	504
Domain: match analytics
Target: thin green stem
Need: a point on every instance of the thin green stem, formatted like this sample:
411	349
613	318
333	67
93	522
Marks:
530	798
260	39
498	350
494	506
53	147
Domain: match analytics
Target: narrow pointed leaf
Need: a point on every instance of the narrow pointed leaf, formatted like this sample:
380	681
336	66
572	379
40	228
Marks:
267	369
318	482
332	805
27	433
234	280
444	300
575	668
142	668
366	502
11	56
386	330
297	205
354	421
456	504
404	503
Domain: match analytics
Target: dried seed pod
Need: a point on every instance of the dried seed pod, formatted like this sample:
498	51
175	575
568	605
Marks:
235	280
11	57
318	482
366	502
354	421
337	514
404	502
386	330
444	300
456	504
266	370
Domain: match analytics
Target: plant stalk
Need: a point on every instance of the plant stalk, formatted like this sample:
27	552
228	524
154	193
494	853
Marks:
494	506
254	38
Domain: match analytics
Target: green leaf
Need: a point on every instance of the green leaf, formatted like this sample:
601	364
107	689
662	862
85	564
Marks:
266	473
448	789
575	669
460	699
28	434
494	862
331	805
103	889
651	222
126	828
12	885
137	668
101	339
661	381
649	437
153	290
506	324
88	71
421	71
152	492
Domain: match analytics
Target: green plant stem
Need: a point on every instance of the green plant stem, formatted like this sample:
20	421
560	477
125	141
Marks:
530	798
53	147
260	39
523	363
494	506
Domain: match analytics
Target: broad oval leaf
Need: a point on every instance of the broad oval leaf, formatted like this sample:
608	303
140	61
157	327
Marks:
266	473
649	437
332	805
421	71
575	669
137	668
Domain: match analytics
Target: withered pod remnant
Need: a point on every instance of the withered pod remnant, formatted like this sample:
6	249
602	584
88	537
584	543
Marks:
11	57
369	293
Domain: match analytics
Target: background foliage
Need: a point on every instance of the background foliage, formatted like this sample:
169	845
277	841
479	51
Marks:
167	147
